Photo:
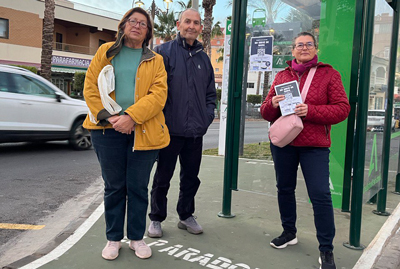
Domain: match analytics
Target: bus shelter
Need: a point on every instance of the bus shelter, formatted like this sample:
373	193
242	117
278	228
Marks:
360	40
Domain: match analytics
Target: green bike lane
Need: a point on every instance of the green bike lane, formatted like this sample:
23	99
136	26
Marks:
239	242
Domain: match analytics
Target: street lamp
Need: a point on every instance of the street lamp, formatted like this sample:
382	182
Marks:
154	10
139	3
271	31
167	2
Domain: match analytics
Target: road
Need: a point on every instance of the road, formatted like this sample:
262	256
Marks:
255	131
37	178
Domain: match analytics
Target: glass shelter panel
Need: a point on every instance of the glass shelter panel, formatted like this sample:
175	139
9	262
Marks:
395	137
330	22
378	96
286	19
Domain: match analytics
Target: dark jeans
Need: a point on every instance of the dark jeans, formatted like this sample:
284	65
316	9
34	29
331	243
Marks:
314	163
189	151
126	175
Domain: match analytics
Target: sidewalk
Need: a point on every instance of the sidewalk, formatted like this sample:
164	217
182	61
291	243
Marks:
239	242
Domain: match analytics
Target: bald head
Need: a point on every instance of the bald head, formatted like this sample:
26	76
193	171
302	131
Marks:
189	25
189	10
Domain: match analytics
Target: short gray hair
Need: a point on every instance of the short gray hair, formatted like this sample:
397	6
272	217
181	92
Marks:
189	9
304	34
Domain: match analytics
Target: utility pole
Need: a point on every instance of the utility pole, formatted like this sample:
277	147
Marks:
195	4
153	15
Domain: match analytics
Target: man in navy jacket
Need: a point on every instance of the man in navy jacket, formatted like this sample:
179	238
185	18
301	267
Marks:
189	111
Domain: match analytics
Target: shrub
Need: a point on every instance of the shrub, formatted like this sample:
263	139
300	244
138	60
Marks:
219	92
79	80
254	99
30	68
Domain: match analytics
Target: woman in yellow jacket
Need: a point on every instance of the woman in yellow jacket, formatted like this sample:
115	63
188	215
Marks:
127	143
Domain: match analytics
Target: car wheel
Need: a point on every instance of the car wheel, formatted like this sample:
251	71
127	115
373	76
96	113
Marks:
80	137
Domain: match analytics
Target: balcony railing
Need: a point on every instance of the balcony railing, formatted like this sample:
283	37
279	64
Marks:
74	48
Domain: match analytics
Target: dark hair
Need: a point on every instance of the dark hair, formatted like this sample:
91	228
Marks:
304	34
122	23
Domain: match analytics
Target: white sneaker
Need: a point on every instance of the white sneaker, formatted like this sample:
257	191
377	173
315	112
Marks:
111	250
155	230
142	250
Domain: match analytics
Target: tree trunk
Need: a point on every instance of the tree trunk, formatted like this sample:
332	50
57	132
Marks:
47	39
266	85
258	83
208	18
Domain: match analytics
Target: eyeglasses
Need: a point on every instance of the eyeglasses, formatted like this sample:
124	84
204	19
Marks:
300	46
134	22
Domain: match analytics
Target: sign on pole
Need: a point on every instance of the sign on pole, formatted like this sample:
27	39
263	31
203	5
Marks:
224	93
261	53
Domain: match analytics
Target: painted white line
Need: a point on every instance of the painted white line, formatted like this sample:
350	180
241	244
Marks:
69	242
374	249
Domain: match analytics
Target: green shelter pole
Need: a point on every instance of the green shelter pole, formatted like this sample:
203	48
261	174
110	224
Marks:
382	193
234	104
397	185
361	127
395	6
355	67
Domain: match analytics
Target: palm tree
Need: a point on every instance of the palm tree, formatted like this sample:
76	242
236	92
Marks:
184	5
221	54
216	30
208	6
272	7
298	16
47	39
165	28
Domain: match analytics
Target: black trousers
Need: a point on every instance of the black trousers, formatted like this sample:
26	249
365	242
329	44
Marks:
314	164
189	150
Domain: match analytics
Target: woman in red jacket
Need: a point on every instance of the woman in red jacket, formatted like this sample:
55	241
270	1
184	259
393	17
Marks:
326	104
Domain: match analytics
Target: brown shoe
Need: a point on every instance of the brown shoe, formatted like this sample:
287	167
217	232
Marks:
111	250
142	250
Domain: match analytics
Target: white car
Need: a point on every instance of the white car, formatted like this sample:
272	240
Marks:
376	120
33	109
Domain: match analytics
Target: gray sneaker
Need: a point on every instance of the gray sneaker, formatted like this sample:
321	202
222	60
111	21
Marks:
154	230
191	225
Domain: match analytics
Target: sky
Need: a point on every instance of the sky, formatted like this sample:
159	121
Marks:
116	8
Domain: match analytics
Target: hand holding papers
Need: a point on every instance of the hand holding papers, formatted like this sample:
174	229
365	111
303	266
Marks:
292	97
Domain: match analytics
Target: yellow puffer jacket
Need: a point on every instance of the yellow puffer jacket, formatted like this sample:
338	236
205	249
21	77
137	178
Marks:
150	97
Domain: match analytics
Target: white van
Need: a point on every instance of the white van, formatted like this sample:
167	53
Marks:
376	120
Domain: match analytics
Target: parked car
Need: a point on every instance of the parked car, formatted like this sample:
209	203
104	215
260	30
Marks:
376	120
33	109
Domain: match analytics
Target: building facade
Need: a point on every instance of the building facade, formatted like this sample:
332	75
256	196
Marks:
77	36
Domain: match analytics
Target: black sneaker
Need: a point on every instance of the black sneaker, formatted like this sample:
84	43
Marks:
326	260
284	240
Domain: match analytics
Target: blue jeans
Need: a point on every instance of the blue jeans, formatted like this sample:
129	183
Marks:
189	150
314	163
126	175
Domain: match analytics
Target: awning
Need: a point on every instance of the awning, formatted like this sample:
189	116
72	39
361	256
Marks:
66	70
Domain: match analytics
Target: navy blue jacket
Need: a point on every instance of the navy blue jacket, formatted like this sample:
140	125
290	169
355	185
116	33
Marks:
191	88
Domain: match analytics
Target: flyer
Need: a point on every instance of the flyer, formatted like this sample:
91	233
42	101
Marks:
292	96
261	53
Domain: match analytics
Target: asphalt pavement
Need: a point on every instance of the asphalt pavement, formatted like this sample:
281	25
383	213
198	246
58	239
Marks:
238	242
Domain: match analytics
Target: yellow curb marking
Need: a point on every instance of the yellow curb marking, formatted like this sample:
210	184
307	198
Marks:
12	226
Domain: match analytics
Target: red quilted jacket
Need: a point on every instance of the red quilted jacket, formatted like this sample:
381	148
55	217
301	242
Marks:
327	104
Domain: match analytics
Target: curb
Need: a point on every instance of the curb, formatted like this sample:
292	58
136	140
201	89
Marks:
375	249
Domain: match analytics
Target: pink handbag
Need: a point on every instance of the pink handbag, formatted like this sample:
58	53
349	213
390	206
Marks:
285	129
